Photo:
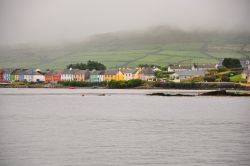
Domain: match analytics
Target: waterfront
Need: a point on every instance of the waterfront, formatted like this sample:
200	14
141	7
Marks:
60	127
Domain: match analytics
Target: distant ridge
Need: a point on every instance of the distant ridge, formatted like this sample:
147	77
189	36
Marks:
161	45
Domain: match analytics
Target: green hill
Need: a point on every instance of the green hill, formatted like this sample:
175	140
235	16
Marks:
159	45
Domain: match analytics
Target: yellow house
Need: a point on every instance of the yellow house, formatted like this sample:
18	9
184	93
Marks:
113	74
245	74
137	74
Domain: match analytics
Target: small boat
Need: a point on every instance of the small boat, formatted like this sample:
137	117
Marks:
72	88
82	94
102	94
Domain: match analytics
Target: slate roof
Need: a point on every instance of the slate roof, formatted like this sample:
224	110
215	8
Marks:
180	67
55	72
19	72
68	71
97	72
8	70
191	73
205	66
81	72
32	72
126	71
147	71
111	72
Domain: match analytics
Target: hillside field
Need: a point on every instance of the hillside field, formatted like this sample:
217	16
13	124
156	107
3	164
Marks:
180	53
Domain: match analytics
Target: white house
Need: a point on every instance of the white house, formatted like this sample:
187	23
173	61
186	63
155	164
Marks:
175	68
128	74
34	75
185	75
245	63
147	74
68	75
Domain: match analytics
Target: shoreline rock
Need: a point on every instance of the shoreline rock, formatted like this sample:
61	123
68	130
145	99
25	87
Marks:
163	94
223	93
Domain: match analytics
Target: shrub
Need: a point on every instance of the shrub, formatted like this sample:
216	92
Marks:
225	79
231	63
125	84
210	78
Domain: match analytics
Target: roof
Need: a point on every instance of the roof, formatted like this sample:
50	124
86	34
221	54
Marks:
147	71
19	72
8	70
128	71
191	73
246	71
179	67
69	71
32	72
81	71
205	66
55	72
111	72
97	72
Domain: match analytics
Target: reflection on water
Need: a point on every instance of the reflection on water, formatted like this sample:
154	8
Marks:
121	129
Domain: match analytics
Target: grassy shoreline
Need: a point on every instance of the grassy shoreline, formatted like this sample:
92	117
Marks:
137	85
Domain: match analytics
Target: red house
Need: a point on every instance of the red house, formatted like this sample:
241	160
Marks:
53	76
1	74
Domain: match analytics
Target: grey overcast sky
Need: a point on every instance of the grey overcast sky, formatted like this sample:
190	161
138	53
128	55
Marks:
23	21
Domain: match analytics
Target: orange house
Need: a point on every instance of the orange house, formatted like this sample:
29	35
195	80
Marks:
53	76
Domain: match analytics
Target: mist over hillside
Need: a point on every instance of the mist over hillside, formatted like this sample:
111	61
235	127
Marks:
162	35
157	45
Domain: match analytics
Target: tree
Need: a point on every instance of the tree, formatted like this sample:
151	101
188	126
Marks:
81	66
95	65
90	65
231	63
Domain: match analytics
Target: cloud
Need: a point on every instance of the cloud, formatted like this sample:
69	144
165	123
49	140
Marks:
68	20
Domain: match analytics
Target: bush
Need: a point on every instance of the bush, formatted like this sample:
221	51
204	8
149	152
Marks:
125	84
222	69
82	83
225	79
210	78
231	63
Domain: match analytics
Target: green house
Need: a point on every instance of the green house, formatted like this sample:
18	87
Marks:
96	76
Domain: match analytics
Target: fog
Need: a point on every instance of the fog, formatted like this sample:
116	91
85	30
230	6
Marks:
45	21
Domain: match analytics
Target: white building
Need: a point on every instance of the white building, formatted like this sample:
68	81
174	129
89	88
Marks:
175	68
185	75
34	75
128	74
147	74
68	75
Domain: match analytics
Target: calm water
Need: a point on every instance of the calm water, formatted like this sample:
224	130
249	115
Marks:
50	127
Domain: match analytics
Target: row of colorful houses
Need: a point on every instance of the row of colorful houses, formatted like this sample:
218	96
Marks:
36	75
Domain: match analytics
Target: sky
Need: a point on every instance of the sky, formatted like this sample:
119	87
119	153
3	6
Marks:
27	21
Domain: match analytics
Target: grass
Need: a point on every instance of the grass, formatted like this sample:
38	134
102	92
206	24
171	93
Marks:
237	78
226	54
182	53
